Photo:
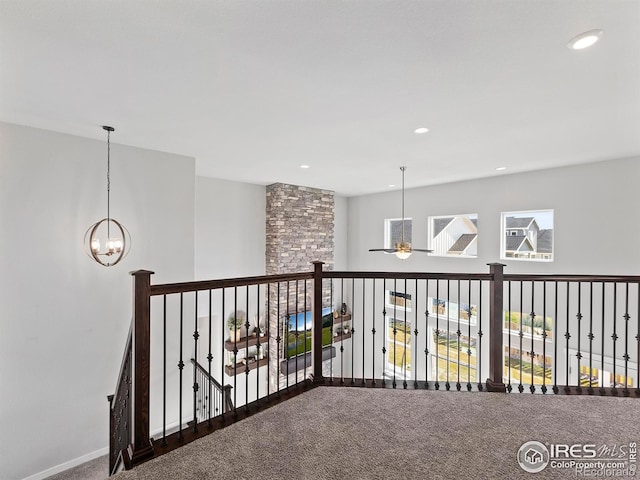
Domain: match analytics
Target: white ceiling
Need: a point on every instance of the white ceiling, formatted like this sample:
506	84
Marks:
254	88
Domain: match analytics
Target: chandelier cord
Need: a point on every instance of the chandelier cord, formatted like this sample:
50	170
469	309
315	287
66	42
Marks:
108	181
403	169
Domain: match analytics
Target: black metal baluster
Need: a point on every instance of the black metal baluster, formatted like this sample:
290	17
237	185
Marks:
259	347
480	333
180	367
296	333
555	340
626	339
448	310
509	385
223	336
364	291
304	361
246	350
415	332
196	387
544	337
567	336
353	330
532	387
385	330
426	333
521	335
373	333
331	283
404	339
287	334
638	346
164	370
267	323
395	330
458	337
278	340
210	358
437	332
601	380
579	353
469	339
591	337
614	337
235	352
341	333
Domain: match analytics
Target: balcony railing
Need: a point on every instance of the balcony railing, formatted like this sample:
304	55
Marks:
547	334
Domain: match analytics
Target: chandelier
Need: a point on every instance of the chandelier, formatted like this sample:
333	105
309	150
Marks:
107	241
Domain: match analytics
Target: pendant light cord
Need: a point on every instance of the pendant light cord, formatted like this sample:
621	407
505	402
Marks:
108	181
403	169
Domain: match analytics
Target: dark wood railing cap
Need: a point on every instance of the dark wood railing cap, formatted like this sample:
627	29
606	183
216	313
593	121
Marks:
141	272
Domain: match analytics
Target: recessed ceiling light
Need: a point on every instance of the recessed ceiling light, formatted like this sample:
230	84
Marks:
305	166
501	168
585	39
421	130
391	185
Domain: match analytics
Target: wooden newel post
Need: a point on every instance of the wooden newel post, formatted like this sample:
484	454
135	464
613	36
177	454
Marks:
140	447
496	320
317	321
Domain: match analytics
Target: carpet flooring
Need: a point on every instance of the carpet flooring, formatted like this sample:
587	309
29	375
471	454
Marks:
356	433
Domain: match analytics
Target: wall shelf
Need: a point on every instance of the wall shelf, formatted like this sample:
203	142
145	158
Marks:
242	368
251	341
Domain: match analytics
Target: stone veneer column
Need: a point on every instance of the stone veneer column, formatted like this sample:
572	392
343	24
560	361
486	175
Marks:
299	230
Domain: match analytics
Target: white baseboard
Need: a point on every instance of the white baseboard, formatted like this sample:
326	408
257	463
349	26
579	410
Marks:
70	464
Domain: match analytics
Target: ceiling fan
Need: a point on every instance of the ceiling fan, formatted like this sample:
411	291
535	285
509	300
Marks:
401	249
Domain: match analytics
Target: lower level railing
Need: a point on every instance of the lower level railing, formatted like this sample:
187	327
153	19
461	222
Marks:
267	338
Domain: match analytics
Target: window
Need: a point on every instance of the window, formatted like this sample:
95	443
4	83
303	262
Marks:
454	235
450	311
527	235
399	300
528	357
453	357
398	344
393	231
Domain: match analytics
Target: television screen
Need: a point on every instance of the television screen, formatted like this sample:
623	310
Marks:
301	324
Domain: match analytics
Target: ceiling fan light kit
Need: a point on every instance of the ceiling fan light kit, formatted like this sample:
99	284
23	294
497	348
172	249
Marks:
401	249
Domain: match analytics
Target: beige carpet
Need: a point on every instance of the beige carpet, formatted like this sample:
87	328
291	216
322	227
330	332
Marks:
354	433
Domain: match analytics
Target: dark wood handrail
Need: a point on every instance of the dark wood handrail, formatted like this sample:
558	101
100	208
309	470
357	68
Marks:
205	372
170	288
407	275
527	277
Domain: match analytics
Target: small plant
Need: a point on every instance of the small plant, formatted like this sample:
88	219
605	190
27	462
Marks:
236	320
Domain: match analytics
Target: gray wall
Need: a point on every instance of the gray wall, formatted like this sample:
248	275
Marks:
596	211
230	229
63	318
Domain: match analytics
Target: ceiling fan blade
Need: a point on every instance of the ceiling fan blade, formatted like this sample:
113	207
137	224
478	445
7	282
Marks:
421	250
385	250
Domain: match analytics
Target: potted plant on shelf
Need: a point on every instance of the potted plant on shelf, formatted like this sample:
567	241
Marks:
235	322
346	328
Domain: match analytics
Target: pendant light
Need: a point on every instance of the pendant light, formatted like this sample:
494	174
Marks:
402	249
107	241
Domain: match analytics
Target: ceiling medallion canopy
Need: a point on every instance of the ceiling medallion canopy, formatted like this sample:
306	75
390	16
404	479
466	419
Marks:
107	241
402	249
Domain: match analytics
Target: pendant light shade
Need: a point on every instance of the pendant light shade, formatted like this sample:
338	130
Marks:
107	241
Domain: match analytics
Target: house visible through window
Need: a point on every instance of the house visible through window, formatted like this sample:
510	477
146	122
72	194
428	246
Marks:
454	235
527	235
